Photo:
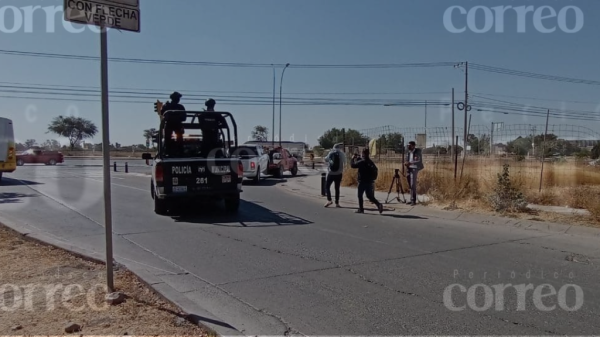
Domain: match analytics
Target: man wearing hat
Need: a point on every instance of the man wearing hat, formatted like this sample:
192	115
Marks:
174	103
210	104
175	126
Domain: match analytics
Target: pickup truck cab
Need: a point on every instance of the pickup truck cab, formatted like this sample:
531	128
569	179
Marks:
37	156
281	160
254	160
193	161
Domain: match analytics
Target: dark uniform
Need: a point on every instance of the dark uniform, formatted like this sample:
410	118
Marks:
173	126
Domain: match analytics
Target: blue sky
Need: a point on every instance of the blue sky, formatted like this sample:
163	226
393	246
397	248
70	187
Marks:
301	32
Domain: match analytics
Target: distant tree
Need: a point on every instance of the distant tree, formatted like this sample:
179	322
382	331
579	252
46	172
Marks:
148	133
260	133
29	143
73	128
393	141
520	146
333	136
595	152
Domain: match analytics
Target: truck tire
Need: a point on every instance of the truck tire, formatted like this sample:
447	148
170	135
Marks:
52	162
279	173
20	162
232	204
294	170
160	206
256	179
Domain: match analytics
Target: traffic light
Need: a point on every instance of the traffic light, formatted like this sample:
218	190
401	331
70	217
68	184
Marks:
158	105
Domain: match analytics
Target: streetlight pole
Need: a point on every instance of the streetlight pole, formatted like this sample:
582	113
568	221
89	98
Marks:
273	125
280	91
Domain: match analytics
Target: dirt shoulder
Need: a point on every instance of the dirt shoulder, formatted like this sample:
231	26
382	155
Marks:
43	290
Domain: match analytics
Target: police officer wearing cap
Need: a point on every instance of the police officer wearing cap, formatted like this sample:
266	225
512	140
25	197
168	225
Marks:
174	103
175	126
210	104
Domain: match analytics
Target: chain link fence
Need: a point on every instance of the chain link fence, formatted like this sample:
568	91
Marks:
565	156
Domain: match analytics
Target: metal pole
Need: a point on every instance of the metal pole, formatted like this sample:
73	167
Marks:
544	150
465	156
273	129
492	141
280	90
466	105
106	157
455	160
452	149
425	117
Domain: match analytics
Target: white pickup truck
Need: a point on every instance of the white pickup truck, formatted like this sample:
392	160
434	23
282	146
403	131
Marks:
254	160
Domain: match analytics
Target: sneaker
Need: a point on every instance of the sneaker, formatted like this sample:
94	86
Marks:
329	203
338	206
380	208
360	211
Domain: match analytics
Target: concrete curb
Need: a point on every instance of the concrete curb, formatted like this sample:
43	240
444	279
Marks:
194	313
297	187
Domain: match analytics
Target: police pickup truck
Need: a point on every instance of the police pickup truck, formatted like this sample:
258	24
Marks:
193	160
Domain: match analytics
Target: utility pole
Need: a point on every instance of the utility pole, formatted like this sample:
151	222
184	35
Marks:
280	90
452	149
425	117
466	104
544	151
273	125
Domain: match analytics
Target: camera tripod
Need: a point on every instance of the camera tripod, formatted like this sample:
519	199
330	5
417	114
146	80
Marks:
399	188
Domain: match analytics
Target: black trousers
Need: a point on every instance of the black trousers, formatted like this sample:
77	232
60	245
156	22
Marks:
331	179
367	187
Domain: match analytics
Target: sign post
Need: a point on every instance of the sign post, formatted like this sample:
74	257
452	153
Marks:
119	14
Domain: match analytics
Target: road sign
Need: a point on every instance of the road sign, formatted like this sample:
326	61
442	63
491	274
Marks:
119	14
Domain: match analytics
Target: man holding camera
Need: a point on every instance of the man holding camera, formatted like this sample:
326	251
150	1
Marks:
367	174
414	164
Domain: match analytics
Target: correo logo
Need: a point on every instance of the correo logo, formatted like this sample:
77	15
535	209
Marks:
545	19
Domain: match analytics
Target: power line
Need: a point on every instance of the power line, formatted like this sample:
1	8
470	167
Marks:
226	64
505	71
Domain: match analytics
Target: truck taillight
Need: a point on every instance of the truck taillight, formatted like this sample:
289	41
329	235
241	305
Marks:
159	173
252	165
11	153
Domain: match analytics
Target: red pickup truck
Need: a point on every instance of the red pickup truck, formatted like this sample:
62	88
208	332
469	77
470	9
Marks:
280	161
35	156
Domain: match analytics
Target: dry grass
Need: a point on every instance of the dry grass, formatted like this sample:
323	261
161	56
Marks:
26	263
571	183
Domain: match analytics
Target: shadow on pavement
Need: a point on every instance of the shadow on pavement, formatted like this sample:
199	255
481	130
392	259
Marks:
13	198
199	319
249	215
386	213
17	182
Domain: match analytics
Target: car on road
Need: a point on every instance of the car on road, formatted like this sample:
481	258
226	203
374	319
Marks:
8	159
280	161
38	156
196	164
254	160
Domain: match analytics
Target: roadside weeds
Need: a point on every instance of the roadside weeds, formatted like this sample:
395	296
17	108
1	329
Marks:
48	291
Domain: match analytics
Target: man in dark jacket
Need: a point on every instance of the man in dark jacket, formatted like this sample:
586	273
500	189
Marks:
365	180
414	163
173	148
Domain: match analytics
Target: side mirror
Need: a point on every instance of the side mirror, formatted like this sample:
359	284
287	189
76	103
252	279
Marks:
146	156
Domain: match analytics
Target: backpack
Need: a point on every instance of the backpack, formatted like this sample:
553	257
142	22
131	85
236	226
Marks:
373	171
335	164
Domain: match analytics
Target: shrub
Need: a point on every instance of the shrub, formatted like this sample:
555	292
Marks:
506	197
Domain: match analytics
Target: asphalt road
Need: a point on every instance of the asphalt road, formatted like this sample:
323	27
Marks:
286	263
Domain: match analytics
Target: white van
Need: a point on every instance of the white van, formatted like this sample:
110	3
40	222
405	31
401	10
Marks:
8	156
